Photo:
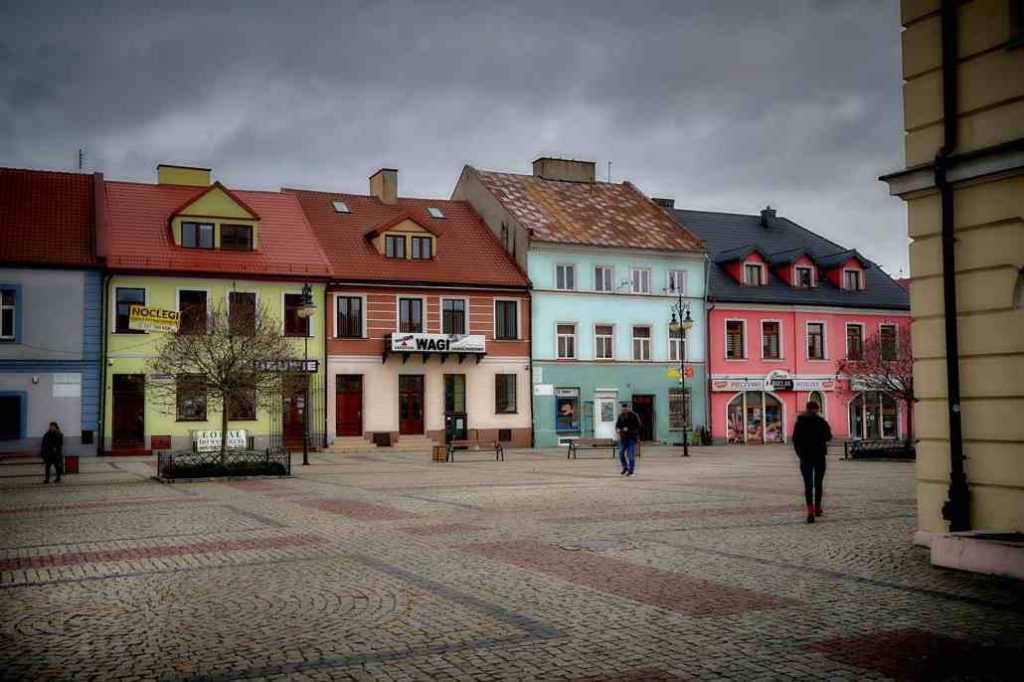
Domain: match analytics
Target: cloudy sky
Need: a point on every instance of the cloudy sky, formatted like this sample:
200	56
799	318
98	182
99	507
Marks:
722	105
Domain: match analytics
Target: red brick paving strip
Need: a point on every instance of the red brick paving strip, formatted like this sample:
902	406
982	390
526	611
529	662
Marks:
912	654
360	510
657	587
604	517
133	553
107	504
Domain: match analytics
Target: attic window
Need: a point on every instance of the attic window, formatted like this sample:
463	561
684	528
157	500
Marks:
340	206
435	212
804	277
852	280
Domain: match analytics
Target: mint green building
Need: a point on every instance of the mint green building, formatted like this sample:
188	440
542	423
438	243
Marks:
607	265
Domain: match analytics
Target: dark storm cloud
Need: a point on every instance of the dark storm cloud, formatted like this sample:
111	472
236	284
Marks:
722	105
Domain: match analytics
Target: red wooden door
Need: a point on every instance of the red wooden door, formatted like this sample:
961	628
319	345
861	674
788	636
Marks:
129	411
349	405
410	404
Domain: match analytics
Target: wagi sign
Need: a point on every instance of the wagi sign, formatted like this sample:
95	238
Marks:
438	343
209	441
144	318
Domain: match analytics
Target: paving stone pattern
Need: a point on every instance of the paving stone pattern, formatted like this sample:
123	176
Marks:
389	566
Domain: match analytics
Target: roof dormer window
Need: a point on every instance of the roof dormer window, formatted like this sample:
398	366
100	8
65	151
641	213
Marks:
434	212
803	277
197	235
421	248
753	274
394	245
853	280
235	237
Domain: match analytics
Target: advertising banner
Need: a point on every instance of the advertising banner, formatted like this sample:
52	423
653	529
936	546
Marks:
209	441
438	343
149	319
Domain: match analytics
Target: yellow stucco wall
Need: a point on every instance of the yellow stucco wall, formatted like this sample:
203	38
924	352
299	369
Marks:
989	228
215	207
182	175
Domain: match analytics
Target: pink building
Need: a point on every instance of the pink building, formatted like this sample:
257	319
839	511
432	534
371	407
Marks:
785	306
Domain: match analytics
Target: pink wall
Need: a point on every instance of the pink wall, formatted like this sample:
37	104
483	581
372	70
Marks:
794	358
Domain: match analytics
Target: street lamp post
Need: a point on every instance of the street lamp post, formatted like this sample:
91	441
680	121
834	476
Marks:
306	311
680	324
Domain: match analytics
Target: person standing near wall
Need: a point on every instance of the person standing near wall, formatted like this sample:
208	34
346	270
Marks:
628	428
810	440
53	453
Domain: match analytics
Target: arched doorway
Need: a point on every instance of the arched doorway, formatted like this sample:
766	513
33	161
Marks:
755	417
874	416
818	397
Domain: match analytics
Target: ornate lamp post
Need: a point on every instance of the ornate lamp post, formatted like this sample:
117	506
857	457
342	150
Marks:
680	324
306	311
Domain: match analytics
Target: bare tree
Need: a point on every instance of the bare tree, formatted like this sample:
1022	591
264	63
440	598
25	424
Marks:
885	364
223	360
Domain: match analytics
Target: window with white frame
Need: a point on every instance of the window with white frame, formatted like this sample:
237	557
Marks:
676	346
349	324
803	277
602	278
8	312
641	343
410	315
604	341
852	280
854	341
771	347
734	342
566	339
677	281
640	280
753	274
565	276
816	340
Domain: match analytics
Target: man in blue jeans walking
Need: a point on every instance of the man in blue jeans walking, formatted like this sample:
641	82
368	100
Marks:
628	427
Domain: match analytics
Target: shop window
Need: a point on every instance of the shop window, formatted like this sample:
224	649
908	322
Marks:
197	235
566	337
602	278
679	408
640	280
506	320
192	305
505	394
236	237
191	398
350	317
410	315
771	348
294	325
242	313
394	246
8	313
453	316
604	341
854	341
642	343
887	341
815	341
567	410
734	344
755	417
873	416
126	297
565	277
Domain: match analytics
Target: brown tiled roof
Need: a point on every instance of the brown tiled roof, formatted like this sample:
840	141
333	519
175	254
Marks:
594	213
467	251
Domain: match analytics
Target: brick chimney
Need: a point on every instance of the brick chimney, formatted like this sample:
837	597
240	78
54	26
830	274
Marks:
167	174
767	216
569	170
384	185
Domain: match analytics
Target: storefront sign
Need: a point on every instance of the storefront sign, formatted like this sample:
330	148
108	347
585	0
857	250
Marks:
775	381
814	384
544	389
737	384
438	343
148	319
673	372
310	366
209	441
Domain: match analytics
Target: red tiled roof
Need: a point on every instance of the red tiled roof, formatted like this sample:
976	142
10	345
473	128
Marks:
140	234
467	251
594	213
46	217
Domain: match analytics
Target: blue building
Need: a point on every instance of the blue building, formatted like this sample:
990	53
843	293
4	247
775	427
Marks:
50	309
606	264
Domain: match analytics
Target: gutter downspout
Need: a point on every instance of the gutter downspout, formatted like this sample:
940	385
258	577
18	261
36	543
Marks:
956	509
709	305
100	246
323	367
101	436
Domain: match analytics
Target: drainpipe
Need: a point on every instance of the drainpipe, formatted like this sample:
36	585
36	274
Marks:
956	510
102	433
323	368
709	305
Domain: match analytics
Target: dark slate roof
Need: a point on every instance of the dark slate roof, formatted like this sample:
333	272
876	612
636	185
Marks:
725	234
836	259
739	253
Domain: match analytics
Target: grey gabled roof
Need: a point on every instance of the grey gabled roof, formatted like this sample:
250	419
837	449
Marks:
727	234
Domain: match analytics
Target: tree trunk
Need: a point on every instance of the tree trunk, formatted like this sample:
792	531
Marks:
223	430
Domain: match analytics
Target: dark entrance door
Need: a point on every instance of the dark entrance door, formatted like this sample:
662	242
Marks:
643	405
129	411
293	409
455	422
410	404
349	405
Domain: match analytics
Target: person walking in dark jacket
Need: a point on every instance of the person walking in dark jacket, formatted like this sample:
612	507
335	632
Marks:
628	428
53	453
810	439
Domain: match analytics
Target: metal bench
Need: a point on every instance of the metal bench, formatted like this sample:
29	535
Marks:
576	443
499	449
878	449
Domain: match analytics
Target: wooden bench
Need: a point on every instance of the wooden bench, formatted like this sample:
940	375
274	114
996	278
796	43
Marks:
499	450
576	443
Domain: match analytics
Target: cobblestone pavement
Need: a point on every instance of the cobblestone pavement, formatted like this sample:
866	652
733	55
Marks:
393	567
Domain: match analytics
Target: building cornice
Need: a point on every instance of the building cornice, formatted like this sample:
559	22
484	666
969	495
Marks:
817	309
999	161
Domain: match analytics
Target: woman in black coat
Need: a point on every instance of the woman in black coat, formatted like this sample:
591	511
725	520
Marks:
53	453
